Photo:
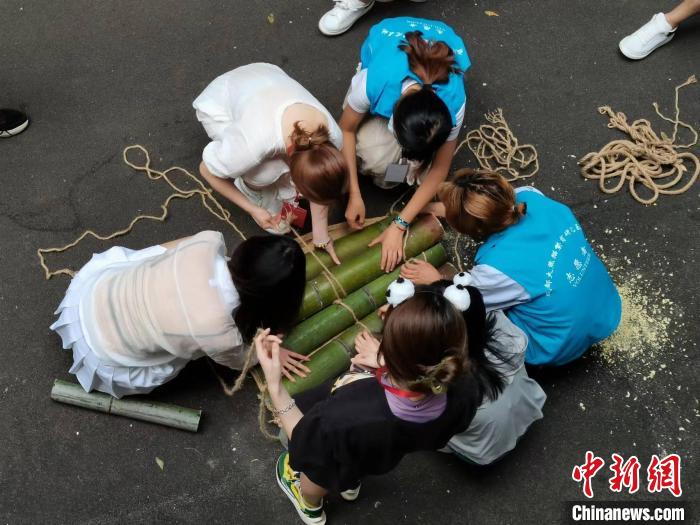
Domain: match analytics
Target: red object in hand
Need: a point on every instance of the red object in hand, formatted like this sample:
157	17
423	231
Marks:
293	214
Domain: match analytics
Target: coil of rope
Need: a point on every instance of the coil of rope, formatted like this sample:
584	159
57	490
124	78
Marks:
645	158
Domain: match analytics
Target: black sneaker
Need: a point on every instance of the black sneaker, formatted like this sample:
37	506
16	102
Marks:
12	122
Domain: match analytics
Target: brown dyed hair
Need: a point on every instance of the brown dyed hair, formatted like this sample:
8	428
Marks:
424	342
317	168
432	61
479	203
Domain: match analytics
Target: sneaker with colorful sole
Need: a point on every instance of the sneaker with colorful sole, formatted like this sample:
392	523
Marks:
290	483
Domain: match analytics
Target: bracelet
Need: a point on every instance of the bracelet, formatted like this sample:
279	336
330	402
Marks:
285	409
324	244
401	223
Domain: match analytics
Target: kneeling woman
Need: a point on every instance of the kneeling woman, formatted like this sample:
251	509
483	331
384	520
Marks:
405	105
134	319
364	423
535	263
510	400
271	142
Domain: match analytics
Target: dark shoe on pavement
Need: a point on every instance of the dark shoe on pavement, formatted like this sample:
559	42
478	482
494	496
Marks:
12	122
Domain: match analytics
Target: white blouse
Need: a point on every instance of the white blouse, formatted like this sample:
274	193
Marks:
247	104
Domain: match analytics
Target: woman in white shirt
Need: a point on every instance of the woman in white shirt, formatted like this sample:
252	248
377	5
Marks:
272	141
134	319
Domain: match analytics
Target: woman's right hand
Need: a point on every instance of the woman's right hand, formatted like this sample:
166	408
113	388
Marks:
267	348
264	218
355	212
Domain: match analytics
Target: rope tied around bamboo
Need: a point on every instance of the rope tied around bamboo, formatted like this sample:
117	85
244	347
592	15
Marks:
645	158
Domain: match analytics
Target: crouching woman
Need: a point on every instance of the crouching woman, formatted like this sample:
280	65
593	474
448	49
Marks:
365	422
135	318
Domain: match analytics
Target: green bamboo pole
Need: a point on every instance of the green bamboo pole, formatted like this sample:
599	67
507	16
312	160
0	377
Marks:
345	247
314	331
160	413
363	268
333	358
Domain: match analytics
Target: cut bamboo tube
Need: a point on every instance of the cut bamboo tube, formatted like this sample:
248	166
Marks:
169	415
333	358
314	331
363	268
346	247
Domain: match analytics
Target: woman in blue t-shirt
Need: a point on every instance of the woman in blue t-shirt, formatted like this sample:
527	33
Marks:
535	263
405	105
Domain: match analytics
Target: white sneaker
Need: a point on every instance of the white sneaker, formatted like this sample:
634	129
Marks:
655	33
351	494
343	16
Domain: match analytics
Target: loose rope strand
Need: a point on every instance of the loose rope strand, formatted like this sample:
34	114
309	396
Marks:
207	199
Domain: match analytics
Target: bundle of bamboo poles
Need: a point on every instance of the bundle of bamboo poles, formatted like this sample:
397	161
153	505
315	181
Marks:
341	301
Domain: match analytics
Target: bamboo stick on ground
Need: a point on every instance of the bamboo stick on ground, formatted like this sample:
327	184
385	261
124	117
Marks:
346	247
333	358
163	414
314	331
363	268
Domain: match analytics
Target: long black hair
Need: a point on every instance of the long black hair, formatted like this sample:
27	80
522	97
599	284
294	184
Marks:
269	273
491	381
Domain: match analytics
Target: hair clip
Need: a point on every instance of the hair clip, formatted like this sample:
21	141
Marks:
428	86
463	278
399	290
458	295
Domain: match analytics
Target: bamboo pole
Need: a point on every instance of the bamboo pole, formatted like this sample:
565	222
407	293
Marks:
314	331
346	247
163	414
333	358
363	268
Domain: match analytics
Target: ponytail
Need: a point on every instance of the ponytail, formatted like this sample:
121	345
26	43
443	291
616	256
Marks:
317	168
431	61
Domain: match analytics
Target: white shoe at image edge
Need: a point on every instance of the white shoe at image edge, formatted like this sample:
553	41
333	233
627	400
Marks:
655	33
343	15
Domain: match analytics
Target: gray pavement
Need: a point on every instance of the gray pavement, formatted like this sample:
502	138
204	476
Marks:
98	76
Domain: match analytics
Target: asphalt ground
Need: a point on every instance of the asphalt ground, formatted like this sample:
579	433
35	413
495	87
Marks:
98	76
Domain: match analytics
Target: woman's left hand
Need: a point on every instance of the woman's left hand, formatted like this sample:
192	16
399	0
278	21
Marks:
291	364
392	247
267	348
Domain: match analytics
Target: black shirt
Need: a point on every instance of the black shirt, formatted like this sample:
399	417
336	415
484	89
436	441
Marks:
351	432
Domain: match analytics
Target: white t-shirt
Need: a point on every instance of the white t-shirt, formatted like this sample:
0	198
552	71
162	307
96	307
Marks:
242	112
499	291
358	100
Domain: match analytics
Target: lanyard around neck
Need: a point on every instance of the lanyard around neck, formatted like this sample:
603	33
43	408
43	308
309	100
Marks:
379	374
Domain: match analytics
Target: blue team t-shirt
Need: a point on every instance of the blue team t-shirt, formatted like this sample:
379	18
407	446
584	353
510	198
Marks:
573	301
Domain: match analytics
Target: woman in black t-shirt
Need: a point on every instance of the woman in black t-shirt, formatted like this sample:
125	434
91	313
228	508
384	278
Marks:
365	422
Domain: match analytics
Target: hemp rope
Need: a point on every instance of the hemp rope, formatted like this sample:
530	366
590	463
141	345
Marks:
207	198
647	159
497	149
